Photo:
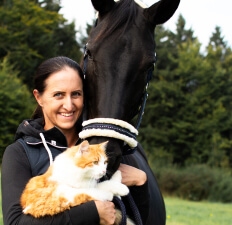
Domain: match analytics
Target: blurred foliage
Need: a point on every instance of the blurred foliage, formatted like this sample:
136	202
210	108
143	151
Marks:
188	118
32	31
16	104
196	182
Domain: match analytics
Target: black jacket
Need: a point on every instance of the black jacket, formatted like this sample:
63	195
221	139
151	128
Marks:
26	158
20	164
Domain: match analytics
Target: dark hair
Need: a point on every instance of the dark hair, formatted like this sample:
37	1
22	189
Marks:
48	67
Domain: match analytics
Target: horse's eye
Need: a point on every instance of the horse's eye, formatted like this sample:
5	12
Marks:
89	53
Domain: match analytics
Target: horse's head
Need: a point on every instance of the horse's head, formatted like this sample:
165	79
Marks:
120	53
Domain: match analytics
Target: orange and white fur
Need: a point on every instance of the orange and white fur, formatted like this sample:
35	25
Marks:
71	180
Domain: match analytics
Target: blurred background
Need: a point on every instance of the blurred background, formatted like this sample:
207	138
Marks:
187	126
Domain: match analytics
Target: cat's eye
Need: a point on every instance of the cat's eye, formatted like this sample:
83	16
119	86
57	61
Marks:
106	162
95	162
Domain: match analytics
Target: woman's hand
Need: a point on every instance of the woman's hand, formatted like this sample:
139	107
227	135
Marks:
106	211
132	176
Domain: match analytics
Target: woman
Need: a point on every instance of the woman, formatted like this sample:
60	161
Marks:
55	122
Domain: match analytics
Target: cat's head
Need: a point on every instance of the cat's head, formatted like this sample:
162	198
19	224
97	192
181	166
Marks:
92	159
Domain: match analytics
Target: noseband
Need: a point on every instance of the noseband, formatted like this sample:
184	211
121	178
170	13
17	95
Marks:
114	128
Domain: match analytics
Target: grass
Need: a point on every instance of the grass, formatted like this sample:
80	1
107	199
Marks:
1	219
183	212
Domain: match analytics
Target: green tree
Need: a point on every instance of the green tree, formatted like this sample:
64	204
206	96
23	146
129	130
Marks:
220	58
16	104
216	40
170	112
83	38
50	5
159	129
188	114
182	34
32	31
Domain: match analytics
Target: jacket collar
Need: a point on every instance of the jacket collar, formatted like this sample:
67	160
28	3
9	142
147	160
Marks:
29	130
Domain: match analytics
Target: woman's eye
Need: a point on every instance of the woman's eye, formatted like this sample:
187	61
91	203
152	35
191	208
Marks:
57	95
76	94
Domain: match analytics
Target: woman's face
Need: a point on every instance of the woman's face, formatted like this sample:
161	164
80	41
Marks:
62	99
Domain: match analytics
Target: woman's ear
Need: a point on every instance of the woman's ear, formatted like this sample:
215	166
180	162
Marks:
37	97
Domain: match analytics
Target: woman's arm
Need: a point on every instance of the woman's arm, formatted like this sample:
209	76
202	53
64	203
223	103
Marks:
15	174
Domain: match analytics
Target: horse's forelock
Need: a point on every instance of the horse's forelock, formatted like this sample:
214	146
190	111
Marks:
122	14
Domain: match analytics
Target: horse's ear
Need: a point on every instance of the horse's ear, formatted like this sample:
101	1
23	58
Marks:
103	6
161	11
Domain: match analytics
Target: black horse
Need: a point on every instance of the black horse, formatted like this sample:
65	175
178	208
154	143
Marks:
120	53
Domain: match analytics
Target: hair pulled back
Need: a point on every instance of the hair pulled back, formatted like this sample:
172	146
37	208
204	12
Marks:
48	67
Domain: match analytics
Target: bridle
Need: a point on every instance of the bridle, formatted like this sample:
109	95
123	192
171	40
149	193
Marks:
108	127
119	129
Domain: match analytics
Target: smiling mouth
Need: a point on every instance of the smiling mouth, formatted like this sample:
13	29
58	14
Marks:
67	114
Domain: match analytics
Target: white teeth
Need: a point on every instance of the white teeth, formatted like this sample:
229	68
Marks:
67	114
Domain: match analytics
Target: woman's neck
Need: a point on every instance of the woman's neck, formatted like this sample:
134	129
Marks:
71	137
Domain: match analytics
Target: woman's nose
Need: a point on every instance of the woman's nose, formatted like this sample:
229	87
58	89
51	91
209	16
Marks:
68	104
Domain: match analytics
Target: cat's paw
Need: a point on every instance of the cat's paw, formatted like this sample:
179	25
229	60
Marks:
102	195
117	176
107	196
121	189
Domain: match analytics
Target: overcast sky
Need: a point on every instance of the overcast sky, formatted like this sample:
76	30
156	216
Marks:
200	15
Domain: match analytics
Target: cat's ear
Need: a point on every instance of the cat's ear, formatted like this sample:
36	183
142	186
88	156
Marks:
103	145
83	148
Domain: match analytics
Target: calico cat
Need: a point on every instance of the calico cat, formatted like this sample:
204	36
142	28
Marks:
71	180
